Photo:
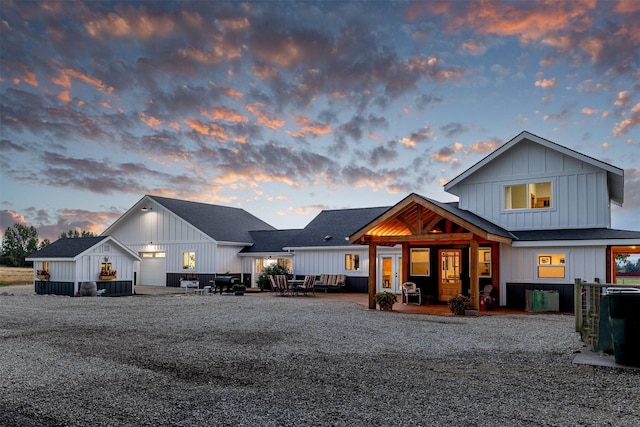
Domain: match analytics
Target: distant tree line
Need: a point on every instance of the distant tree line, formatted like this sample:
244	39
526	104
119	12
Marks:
20	241
624	265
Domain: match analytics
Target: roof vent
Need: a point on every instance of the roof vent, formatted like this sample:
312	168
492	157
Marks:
327	237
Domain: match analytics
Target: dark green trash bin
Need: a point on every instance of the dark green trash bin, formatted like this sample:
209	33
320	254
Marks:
624	312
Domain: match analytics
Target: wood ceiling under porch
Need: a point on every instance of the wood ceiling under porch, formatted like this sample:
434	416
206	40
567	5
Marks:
416	221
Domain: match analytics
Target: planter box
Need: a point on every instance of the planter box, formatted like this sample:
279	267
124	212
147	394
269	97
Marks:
110	277
42	276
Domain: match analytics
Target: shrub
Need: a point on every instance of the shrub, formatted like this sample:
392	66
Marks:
272	270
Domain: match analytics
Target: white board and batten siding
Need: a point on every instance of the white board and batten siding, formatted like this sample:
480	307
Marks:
520	264
580	197
331	260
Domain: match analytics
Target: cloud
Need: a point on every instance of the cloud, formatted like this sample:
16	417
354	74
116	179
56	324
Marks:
453	130
589	111
445	154
632	120
416	137
545	83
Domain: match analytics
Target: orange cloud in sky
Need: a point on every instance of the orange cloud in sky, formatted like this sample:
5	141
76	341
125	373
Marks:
623	99
309	128
445	154
29	77
483	147
136	24
589	111
264	118
64	96
226	114
627	6
150	121
546	82
66	74
529	21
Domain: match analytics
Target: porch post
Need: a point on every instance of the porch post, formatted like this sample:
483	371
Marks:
475	281
373	262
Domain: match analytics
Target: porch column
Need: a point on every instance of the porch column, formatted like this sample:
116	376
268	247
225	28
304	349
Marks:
475	281
373	262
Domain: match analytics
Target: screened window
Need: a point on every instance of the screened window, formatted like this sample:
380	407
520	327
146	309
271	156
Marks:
352	262
188	260
419	262
528	196
551	266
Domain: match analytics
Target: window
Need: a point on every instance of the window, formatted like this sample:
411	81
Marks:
188	260
484	262
551	266
528	196
419	262
352	262
261	264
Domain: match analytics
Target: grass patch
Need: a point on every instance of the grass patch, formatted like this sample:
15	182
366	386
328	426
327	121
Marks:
15	275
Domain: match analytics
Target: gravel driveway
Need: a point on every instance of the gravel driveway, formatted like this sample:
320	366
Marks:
260	360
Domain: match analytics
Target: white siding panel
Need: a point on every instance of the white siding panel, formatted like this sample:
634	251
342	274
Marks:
580	198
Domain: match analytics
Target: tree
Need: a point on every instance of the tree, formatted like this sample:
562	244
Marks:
19	241
73	234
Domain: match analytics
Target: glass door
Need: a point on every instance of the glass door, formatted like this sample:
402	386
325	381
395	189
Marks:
390	276
449	274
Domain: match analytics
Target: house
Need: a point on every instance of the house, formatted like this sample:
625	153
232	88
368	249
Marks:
179	238
531	215
60	268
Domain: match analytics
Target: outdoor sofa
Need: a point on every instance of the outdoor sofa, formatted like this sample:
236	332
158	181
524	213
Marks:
328	282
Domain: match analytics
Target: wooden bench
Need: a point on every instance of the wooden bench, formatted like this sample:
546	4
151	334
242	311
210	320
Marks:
330	281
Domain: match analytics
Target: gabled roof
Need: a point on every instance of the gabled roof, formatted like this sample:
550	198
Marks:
615	176
73	248
412	215
269	241
221	223
333	227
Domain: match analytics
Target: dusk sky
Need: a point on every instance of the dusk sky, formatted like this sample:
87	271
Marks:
284	109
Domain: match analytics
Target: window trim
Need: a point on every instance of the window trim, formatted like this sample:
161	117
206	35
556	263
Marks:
546	261
427	262
527	184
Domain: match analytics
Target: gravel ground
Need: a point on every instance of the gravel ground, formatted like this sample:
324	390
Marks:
260	360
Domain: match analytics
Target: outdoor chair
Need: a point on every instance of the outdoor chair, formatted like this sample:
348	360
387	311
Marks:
411	290
307	286
274	285
283	284
487	302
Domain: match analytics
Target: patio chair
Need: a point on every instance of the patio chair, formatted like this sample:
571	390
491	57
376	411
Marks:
487	302
411	290
274	285
283	284
307	286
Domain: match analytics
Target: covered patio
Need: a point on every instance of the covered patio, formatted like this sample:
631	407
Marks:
450	240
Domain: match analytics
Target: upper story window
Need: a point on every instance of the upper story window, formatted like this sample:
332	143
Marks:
535	195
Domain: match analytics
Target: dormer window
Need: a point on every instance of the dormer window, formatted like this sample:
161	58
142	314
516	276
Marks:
528	196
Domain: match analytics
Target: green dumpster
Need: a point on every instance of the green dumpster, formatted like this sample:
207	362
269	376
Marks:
624	314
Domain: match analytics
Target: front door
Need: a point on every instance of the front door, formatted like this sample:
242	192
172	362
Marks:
449	274
390	277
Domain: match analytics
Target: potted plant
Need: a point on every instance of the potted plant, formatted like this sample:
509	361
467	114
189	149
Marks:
42	274
238	289
458	304
385	300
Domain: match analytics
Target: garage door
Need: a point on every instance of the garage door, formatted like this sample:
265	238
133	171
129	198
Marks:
153	269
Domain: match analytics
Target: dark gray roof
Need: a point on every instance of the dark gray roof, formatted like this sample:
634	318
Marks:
331	227
67	248
221	223
270	240
474	219
577	234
